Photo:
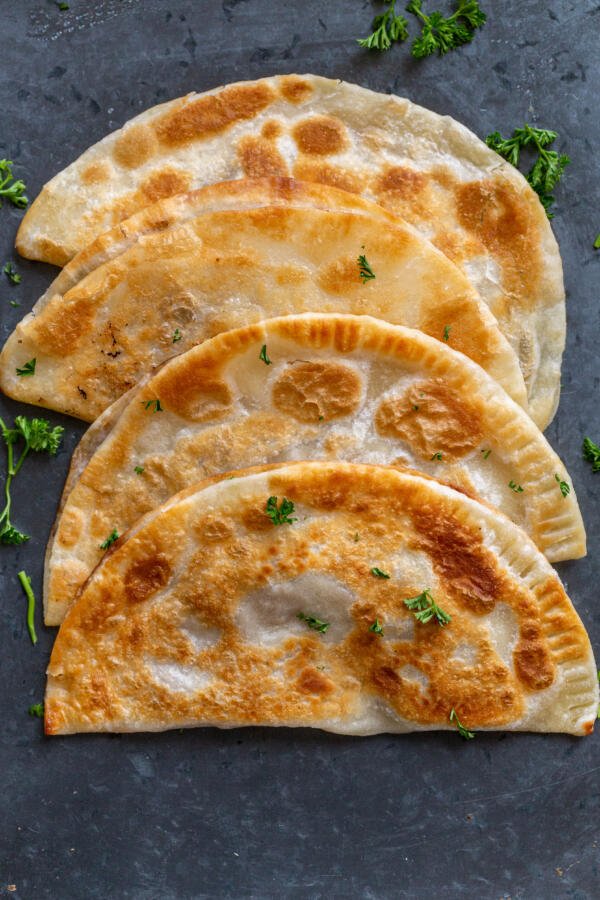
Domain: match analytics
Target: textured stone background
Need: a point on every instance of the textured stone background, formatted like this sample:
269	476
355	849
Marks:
259	813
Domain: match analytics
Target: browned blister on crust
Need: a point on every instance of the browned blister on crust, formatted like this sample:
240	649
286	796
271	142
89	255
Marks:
336	387
194	619
427	168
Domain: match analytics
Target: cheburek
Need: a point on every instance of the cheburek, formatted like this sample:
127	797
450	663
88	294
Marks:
345	387
202	616
475	207
218	270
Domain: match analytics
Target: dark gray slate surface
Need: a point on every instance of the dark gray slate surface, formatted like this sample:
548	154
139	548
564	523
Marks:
258	813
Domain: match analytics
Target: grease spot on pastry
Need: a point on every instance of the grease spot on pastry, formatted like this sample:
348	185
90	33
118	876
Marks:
432	418
317	391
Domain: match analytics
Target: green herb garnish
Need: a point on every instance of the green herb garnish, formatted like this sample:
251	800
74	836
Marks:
365	272
264	356
486	453
9	188
113	536
597	242
39	436
28	369
63	6
464	732
315	624
378	573
439	33
177	335
155	404
280	515
386	27
376	628
424	608
591	452
447	330
515	487
437	456
11	273
564	486
26	585
37	710
138	470
547	169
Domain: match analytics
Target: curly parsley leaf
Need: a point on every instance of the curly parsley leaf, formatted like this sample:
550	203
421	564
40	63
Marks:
138	470
34	434
547	169
591	453
11	273
440	34
37	710
424	608
515	487
565	487
464	732
13	190
177	335
378	573
280	515
597	242
386	28
314	623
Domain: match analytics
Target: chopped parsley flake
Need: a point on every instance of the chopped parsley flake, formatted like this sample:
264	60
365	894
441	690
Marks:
564	486
264	356
515	487
11	273
597	242
280	515
447	330
376	628
464	732
424	608
314	623
113	536
365	272
154	404
486	453
437	455
37	710
378	573
9	188
27	369
138	470
177	335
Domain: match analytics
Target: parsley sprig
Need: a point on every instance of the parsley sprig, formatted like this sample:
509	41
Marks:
424	608
564	486
13	190
280	515
547	169
376	628
110	540
386	28
37	435
365	272
314	623
36	710
591	452
439	34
